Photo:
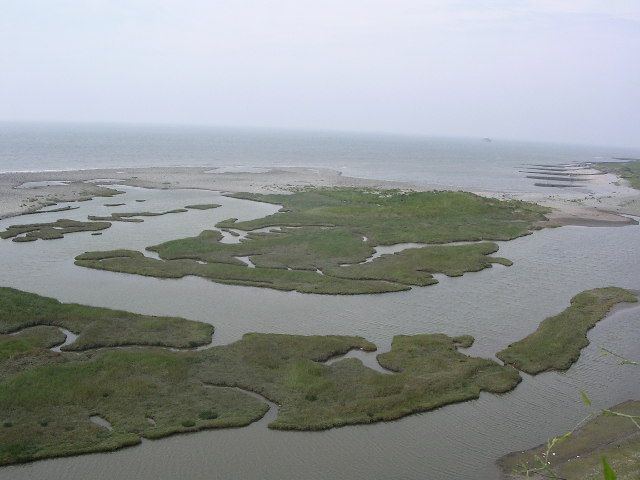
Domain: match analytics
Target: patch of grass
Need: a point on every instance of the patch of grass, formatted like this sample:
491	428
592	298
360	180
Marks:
307	248
390	216
208	415
557	342
292	265
142	383
29	348
305	281
579	456
315	396
629	170
133	216
414	266
203	206
49	231
97	327
322	230
29	341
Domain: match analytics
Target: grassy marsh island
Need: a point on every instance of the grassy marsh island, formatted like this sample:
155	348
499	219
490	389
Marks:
387	217
47	409
98	327
133	216
326	240
52	230
431	372
47	399
203	206
557	342
59	228
579	456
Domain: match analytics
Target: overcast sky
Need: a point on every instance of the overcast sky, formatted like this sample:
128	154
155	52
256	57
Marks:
556	70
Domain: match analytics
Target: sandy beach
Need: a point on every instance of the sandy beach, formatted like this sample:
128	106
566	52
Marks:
25	192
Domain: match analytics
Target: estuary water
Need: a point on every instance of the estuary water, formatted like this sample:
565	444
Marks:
462	441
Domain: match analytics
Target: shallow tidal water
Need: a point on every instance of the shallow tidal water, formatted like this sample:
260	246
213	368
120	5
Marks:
497	306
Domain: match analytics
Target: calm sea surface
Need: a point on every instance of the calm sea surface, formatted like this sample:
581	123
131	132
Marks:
496	306
444	162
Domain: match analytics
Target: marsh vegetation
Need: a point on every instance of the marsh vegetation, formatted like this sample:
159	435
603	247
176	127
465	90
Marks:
203	206
319	246
557	342
47	399
133	216
52	230
98	327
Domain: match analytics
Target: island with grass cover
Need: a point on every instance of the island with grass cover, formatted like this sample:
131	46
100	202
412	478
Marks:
49	398
50	231
58	229
325	240
558	340
129	376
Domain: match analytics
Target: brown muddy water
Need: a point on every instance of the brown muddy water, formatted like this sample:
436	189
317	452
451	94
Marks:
463	441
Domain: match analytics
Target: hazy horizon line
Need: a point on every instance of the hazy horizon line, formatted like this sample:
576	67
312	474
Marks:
308	130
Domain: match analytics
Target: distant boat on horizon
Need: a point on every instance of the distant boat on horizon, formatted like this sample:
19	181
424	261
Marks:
487	139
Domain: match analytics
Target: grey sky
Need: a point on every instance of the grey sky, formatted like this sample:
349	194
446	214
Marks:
543	70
